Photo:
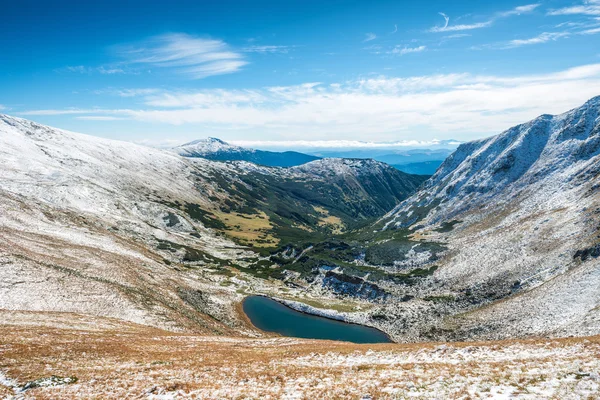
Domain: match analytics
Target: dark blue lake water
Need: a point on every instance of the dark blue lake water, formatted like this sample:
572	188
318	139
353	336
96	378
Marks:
272	316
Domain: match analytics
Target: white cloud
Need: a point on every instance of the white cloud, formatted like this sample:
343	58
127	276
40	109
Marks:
395	29
407	50
456	36
110	71
2	107
369	36
462	27
590	7
68	111
189	55
81	69
203	98
266	49
98	118
591	31
541	38
446	19
519	10
134	92
458	105
466	27
313	145
337	144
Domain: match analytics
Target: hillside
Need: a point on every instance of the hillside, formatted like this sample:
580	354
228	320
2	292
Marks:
114	229
519	216
218	150
86	357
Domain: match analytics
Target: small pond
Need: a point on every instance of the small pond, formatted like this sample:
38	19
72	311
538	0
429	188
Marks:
271	316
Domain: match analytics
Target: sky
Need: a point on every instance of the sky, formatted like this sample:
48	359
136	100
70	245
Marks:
280	73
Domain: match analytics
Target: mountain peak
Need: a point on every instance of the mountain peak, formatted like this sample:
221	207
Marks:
218	150
216	140
594	101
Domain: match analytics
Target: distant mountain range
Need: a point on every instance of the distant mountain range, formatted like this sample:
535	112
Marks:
412	161
218	150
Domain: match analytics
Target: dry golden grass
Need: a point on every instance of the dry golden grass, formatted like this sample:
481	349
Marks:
251	229
115	360
332	222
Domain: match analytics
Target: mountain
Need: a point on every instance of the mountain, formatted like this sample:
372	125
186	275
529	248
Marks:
218	150
395	156
519	217
503	241
109	228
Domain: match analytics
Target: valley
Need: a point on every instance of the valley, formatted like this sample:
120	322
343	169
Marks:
299	200
179	240
107	229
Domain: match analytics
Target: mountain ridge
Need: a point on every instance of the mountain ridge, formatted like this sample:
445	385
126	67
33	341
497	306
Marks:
219	150
516	211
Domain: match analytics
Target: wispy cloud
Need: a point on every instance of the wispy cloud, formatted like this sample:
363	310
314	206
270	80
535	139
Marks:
395	29
185	54
81	69
407	50
134	92
519	10
446	19
461	27
70	111
541	38
545	37
590	31
485	24
339	144
456	36
98	118
369	36
384	108
590	7
2	107
266	49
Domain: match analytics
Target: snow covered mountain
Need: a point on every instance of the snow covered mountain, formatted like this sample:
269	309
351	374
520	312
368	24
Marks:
554	152
110	228
503	241
218	150
519	214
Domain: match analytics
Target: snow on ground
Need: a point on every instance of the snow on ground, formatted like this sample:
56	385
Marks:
136	362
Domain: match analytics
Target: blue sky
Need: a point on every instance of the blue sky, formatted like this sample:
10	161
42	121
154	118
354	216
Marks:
265	72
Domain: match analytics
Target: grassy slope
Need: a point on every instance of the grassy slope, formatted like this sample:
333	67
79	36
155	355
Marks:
104	358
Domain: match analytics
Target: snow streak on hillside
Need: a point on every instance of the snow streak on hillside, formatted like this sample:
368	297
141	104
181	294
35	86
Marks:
520	214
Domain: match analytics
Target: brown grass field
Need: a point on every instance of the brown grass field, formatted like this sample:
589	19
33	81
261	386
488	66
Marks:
68	356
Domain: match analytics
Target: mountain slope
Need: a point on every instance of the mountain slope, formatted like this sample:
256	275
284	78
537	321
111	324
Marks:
308	202
110	228
519	214
218	150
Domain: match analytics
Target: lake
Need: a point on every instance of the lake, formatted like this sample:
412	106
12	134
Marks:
271	316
